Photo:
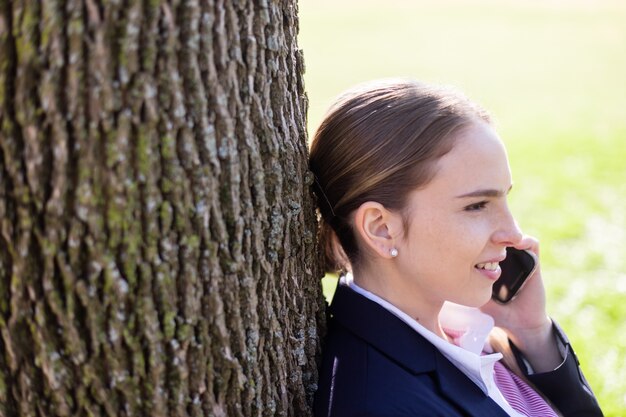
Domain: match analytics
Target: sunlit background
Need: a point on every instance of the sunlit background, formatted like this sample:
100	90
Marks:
553	75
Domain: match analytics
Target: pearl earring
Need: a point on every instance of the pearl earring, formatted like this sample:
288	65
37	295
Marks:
393	252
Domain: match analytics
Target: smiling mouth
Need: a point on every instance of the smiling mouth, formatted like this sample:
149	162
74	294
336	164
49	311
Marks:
489	266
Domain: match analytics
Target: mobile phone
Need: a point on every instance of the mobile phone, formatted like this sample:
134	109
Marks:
516	268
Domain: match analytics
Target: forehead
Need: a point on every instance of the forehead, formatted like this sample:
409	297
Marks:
477	159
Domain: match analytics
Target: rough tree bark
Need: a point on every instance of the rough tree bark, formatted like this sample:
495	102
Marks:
157	248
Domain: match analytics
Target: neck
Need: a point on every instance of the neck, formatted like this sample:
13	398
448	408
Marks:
405	295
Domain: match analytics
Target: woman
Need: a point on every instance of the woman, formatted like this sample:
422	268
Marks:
412	182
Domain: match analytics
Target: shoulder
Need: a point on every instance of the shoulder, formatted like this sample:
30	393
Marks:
358	379
375	364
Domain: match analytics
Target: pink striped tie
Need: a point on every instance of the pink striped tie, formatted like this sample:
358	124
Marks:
520	395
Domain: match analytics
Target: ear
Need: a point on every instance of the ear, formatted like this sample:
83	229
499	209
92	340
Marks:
377	228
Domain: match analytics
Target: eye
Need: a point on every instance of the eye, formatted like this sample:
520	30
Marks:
476	206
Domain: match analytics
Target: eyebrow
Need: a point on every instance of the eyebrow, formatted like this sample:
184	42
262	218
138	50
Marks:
492	193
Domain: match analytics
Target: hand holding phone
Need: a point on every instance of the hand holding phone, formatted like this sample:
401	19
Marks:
516	268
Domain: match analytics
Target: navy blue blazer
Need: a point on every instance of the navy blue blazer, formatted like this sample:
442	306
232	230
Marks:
374	364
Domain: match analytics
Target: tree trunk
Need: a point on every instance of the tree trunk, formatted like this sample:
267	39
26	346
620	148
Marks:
157	235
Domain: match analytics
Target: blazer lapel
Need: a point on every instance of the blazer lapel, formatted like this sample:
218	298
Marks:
459	389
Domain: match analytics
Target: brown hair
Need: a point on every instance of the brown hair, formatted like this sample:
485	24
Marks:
378	142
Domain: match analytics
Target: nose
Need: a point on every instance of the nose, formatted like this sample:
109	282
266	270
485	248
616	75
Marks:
508	232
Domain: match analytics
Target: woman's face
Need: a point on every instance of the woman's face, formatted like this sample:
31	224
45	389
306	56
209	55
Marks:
460	223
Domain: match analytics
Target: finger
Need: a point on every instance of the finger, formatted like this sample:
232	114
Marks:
529	243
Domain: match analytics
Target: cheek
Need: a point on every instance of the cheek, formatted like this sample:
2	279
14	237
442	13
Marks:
449	238
431	239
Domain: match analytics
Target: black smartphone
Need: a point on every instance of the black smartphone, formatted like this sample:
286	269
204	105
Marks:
516	268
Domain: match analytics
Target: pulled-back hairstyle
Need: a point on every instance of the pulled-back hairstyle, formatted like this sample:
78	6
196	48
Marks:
378	142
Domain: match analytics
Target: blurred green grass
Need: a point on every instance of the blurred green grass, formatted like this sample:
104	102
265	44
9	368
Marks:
553	74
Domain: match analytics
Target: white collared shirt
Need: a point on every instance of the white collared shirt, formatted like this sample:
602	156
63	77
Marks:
472	326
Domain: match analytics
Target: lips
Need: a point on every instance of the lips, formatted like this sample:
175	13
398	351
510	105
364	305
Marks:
490	269
490	266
